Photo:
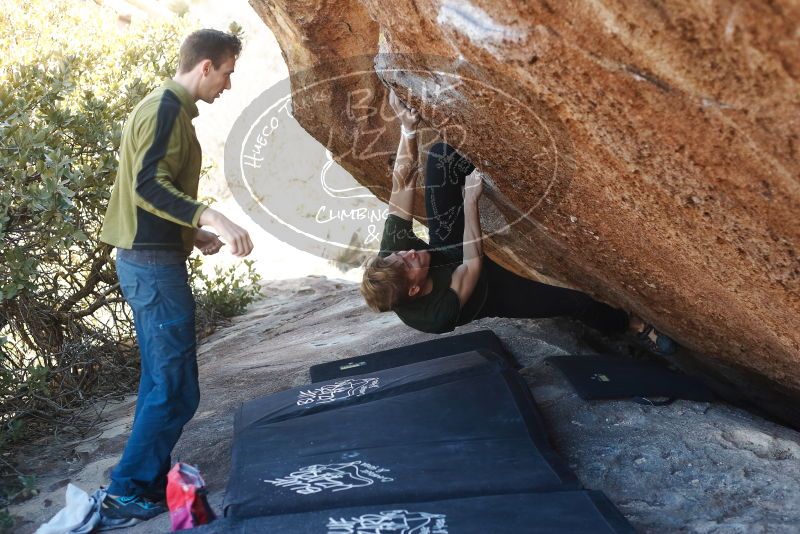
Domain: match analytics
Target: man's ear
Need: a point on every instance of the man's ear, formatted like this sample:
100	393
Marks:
205	66
413	290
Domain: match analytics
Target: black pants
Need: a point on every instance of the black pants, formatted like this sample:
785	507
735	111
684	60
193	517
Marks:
509	295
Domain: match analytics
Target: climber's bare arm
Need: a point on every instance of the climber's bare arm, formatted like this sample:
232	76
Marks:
406	164
466	275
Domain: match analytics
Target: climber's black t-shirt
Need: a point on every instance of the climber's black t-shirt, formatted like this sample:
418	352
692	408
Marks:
439	311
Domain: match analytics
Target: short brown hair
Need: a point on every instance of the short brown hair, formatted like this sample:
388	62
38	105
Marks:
384	285
208	44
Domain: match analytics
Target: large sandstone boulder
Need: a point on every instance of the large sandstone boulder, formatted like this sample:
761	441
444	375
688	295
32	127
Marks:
655	163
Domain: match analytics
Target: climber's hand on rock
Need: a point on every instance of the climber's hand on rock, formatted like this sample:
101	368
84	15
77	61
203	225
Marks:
473	186
409	117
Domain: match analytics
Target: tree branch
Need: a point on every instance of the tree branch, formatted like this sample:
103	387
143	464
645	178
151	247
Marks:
91	281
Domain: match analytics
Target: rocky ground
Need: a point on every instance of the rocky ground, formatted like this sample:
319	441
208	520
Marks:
687	467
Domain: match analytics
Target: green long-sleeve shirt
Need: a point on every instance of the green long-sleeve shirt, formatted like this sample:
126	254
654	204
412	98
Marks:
153	203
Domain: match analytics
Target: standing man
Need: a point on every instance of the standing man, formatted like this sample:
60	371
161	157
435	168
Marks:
153	219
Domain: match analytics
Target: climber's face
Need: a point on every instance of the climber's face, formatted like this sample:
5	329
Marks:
415	264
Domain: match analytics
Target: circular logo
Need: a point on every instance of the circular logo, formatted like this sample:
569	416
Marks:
324	188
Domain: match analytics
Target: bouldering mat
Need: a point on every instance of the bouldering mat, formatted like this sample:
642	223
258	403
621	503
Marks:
598	377
568	512
474	434
354	389
427	350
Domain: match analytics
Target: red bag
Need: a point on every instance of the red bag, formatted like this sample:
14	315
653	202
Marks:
186	498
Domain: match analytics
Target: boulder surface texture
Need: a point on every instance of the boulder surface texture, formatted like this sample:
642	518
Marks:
645	152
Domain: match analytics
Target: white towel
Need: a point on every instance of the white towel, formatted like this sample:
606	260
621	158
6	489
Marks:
79	515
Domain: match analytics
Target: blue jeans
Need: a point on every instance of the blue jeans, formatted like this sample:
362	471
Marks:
155	284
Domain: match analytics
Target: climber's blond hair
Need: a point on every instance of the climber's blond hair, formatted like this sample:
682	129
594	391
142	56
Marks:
384	285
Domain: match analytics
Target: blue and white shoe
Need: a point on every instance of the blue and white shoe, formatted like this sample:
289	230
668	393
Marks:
126	511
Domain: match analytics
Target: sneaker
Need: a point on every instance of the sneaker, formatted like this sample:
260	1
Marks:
126	511
155	496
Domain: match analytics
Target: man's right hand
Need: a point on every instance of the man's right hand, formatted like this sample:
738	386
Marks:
232	234
409	117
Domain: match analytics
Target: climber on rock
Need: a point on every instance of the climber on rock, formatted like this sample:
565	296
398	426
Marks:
448	282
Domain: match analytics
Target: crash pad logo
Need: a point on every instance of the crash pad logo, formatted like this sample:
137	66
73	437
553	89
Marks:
392	522
332	477
600	377
292	182
339	390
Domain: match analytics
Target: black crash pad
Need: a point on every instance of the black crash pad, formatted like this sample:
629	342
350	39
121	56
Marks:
569	512
473	434
427	350
338	392
600	377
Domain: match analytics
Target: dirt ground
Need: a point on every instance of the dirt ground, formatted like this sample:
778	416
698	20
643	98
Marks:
694	467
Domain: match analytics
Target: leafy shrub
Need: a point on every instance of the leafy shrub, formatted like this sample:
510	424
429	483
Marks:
223	295
69	76
64	95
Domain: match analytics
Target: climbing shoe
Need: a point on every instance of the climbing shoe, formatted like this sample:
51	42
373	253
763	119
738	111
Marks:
662	345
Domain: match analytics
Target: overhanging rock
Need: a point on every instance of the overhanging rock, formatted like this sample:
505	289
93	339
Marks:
655	164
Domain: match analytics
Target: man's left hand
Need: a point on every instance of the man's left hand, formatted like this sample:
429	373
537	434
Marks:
473	186
208	243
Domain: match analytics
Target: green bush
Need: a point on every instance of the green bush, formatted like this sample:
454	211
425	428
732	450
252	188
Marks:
223	295
69	76
64	95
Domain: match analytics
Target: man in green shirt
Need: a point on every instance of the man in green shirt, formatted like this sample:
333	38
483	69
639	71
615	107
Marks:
153	219
447	282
